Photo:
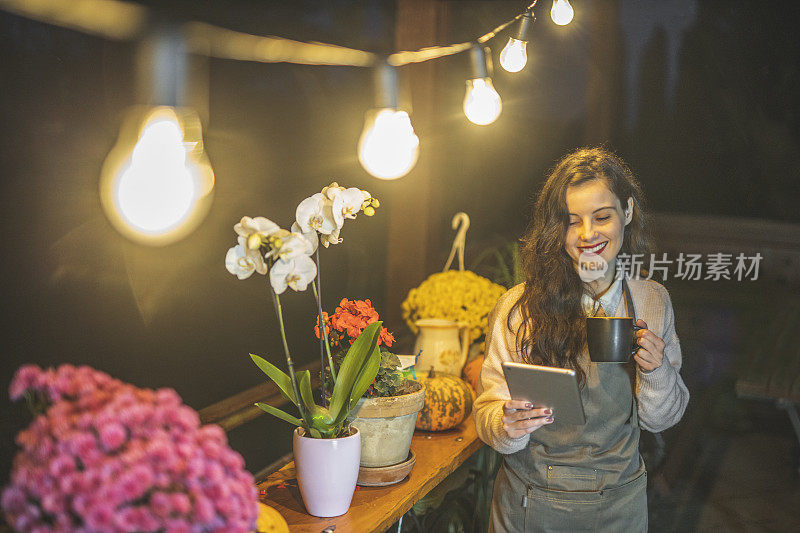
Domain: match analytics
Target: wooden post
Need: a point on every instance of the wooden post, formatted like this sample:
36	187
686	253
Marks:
604	83
412	243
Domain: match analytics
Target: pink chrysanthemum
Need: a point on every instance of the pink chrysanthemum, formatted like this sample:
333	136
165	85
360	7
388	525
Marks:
107	456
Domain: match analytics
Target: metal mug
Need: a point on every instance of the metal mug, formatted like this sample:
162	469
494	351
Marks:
611	339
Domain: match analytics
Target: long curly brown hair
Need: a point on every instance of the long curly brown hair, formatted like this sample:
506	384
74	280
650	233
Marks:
553	327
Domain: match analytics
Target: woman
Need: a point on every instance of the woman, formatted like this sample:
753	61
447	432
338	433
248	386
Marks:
558	476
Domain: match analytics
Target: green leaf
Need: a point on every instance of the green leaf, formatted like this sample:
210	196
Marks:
356	358
304	384
505	273
280	378
280	414
389	361
364	379
283	395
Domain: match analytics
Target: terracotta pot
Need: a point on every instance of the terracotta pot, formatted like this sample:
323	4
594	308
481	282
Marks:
386	426
327	471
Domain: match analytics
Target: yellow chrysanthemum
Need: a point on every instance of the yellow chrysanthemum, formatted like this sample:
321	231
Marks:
453	295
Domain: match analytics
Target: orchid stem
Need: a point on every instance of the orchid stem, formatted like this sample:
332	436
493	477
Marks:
323	330
321	325
289	363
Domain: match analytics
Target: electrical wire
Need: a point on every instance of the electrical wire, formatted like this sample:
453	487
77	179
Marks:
222	43
113	19
434	52
122	20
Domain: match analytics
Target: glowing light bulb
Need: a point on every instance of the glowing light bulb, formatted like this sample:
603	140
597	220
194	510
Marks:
156	184
562	12
388	148
482	104
514	55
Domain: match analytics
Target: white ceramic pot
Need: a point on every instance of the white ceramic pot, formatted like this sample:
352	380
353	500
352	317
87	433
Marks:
327	471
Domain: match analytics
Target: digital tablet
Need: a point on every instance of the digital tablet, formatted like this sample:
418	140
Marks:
545	386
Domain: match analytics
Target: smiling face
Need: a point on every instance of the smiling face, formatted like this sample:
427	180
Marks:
597	223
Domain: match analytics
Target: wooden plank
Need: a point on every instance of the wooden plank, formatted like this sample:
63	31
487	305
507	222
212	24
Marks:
764	357
794	392
239	408
786	367
774	365
744	234
377	508
413	203
605	72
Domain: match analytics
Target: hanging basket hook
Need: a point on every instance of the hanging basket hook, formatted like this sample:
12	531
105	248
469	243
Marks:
461	223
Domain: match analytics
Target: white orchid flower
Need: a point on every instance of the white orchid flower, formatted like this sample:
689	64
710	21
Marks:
333	238
296	273
315	213
256	228
310	236
332	190
242	262
347	204
293	245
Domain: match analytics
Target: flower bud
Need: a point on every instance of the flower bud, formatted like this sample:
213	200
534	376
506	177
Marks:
369	210
375	202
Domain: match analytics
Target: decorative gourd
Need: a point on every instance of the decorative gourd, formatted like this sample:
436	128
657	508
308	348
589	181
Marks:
270	520
448	401
472	372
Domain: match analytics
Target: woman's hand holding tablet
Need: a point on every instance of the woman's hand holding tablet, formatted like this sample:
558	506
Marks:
521	418
543	388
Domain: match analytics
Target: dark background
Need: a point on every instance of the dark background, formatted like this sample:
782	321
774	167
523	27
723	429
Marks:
709	120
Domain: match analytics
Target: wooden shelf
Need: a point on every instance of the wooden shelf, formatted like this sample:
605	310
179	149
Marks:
377	508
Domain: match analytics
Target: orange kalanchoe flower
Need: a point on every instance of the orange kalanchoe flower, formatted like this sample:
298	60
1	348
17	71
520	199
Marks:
350	319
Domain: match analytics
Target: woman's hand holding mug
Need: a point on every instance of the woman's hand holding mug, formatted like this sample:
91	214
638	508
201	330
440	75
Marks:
651	348
520	418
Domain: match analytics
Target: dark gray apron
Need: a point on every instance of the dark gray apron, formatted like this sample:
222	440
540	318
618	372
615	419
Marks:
580	478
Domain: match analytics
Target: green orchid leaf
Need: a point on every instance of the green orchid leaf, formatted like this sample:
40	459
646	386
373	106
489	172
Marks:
304	384
356	358
280	414
364	379
277	375
285	397
315	434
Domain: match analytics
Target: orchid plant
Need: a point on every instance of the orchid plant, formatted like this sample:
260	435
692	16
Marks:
291	260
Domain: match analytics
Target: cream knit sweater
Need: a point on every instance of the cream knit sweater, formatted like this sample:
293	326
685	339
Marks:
661	394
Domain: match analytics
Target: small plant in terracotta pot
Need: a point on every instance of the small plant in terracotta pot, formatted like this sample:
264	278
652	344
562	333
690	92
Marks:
386	413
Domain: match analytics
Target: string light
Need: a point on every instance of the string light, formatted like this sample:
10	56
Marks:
123	20
167	141
482	104
514	56
156	183
388	147
561	12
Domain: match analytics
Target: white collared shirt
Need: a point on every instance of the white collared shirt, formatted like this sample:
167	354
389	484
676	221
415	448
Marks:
610	300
